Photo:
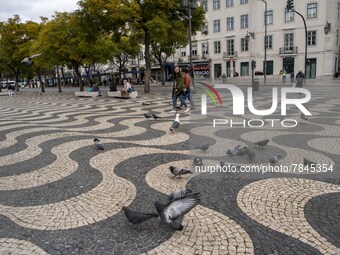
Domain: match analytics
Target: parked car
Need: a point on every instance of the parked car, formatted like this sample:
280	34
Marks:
6	84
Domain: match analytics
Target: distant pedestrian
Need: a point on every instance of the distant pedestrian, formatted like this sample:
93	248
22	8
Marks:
188	91
283	76
126	89
177	91
299	79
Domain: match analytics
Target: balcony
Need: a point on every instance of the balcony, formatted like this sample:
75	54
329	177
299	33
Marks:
230	54
194	57
288	51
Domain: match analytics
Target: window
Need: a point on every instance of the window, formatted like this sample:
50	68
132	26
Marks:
244	21
205	28
217	47
205	48
269	42
243	1
337	37
270	67
268	17
194	49
244	44
289	41
312	10
338	11
229	3
183	52
204	4
217	27
311	38
230	23
230	47
216	4
244	68
289	15
217	70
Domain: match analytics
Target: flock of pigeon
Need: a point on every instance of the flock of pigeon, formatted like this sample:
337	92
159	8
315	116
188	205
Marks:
182	201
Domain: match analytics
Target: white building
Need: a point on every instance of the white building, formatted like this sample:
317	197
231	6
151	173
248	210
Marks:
223	47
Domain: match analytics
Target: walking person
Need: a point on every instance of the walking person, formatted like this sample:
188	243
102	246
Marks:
188	91
299	79
283	76
177	91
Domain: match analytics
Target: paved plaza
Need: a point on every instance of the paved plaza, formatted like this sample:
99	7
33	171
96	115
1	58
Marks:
59	195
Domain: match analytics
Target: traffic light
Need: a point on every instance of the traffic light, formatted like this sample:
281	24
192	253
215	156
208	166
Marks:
290	4
253	64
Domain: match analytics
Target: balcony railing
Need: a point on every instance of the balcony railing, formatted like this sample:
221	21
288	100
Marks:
230	54
194	57
288	50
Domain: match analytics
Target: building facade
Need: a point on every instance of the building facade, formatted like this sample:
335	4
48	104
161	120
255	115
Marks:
234	35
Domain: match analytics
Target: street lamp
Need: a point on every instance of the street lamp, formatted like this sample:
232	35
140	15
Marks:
265	41
190	4
248	36
327	28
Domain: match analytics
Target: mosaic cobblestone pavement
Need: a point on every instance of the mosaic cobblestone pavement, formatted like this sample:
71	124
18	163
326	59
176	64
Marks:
59	195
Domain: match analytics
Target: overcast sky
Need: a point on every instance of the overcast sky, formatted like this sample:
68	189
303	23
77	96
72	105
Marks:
33	9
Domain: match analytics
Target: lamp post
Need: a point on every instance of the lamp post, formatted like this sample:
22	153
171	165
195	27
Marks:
190	4
265	41
290	6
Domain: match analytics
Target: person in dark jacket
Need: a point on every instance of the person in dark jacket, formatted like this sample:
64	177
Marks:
178	89
299	79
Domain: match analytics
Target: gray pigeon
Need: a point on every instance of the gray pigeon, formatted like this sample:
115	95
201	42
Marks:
198	161
175	125
308	163
176	171
226	164
203	147
156	117
274	159
250	153
28	60
176	209
98	144
233	150
137	217
303	117
241	151
179	194
148	116
262	143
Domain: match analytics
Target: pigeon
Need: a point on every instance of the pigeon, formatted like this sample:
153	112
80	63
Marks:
274	159
308	163
233	150
98	144
145	103
241	151
28	60
179	194
176	171
226	164
148	116
156	117
175	124
176	209
250	153
303	117
198	161
262	143
137	217
203	147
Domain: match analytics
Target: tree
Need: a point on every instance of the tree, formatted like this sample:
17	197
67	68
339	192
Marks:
152	18
67	39
15	43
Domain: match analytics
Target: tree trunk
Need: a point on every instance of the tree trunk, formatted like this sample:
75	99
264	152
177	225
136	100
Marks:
58	79
163	73
147	61
80	80
17	81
